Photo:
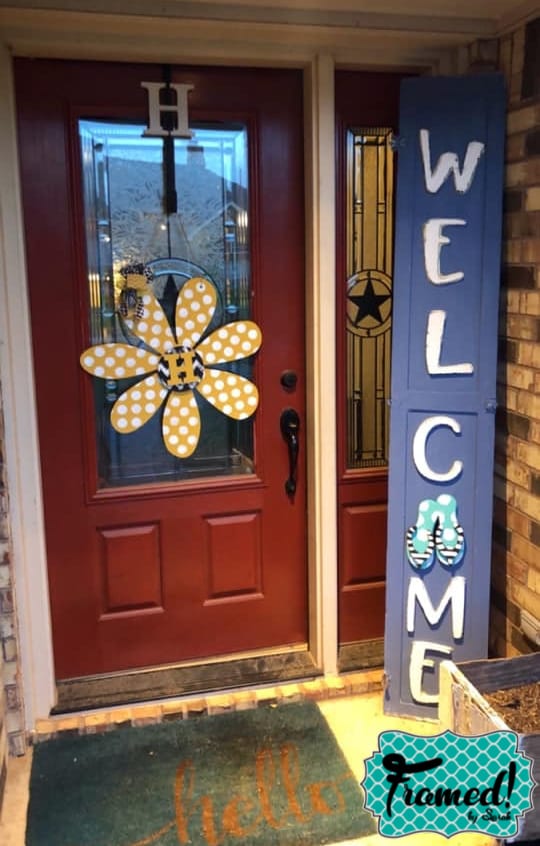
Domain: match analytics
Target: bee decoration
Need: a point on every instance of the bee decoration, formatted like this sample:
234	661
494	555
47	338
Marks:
137	278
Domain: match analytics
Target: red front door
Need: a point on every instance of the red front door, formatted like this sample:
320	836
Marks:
170	534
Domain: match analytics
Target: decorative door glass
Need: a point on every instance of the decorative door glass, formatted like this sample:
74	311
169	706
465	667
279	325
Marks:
369	294
153	227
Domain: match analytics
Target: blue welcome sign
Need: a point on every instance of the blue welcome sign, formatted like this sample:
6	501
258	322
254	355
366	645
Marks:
446	284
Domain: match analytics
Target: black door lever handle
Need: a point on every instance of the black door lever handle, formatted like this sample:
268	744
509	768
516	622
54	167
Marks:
290	428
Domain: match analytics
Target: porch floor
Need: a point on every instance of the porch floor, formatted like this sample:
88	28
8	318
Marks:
356	722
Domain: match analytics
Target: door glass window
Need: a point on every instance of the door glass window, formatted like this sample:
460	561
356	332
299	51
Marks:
369	229
131	221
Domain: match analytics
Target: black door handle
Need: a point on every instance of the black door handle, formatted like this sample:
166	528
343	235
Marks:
290	426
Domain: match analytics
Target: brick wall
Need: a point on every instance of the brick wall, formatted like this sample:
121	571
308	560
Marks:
12	734
516	538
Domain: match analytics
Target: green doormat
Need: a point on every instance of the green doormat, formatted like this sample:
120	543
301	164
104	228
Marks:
270	776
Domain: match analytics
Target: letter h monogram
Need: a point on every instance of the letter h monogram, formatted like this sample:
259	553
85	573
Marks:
156	109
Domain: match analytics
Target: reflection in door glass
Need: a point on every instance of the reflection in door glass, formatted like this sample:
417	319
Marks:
128	220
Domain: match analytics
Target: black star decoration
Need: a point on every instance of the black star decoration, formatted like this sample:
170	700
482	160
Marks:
368	303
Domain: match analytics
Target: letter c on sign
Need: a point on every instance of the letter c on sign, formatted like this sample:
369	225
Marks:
419	449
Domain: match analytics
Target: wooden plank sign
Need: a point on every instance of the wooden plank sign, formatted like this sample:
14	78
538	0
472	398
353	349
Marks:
446	283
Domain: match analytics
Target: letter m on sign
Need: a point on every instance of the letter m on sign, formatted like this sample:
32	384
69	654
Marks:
446	284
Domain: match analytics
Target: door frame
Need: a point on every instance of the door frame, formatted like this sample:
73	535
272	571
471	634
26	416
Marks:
16	369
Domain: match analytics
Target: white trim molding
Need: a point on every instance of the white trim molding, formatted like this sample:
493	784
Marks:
20	427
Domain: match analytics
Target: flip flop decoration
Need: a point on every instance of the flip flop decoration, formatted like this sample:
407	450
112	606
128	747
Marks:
176	364
437	533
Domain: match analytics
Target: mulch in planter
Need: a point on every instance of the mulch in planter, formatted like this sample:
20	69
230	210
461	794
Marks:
518	706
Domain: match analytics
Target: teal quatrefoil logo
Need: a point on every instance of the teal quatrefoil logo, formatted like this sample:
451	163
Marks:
448	784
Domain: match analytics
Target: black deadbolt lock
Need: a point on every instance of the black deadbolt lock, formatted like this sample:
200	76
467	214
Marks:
289	379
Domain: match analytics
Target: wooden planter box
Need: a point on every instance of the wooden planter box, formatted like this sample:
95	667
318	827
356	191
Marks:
464	710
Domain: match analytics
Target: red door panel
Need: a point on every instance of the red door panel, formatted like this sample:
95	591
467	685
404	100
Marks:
165	571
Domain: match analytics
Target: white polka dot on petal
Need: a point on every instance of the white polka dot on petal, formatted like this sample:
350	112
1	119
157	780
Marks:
173	439
179	331
192	440
235	392
142	326
181	449
243	416
184	411
121	423
154	343
136	422
183	430
187	293
175	402
246	346
195	305
223	333
130	362
190	324
121	409
231	380
219	384
150	407
207	299
139	371
252	401
239	405
216	345
136	395
158	315
227	409
156	330
193	421
174	420
99	351
235	340
109	361
119	371
141	353
183	312
210	357
165	430
136	408
253	334
120	352
147	299
150	394
99	371
241	328
206	389
248	388
88	360
202	317
228	351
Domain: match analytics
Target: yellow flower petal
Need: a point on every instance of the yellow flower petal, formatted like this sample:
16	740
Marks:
153	327
231	342
195	308
232	394
117	361
136	406
181	424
